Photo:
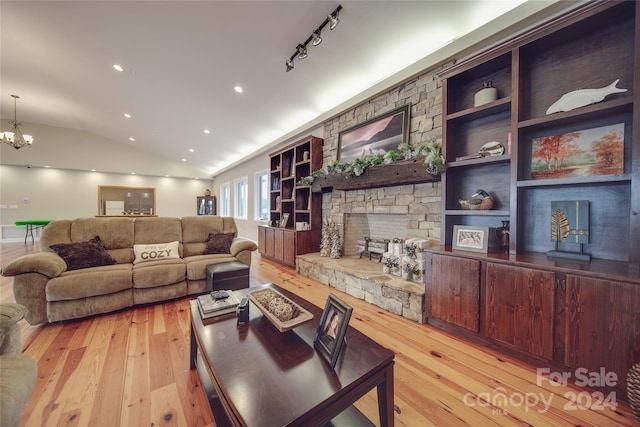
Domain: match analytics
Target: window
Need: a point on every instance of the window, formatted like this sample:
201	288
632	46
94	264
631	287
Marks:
240	196
262	195
225	199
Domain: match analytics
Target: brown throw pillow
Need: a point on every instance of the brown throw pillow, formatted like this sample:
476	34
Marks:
83	254
219	243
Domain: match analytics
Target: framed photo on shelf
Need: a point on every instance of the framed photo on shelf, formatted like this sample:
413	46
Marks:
284	220
381	133
475	239
332	328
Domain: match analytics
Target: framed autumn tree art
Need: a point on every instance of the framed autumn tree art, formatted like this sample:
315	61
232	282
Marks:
596	151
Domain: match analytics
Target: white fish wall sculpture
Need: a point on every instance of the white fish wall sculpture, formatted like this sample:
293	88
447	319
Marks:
582	97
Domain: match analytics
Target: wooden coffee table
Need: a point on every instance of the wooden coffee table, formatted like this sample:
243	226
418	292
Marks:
262	377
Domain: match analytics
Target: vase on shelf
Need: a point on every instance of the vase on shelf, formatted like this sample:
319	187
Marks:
502	236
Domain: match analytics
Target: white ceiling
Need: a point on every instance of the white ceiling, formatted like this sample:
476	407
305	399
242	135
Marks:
182	60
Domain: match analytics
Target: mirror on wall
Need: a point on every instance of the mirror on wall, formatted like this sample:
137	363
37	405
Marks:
118	201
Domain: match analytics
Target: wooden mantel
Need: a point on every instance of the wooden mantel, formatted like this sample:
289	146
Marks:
398	173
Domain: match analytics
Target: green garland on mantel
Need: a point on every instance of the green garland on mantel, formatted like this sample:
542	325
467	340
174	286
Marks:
431	151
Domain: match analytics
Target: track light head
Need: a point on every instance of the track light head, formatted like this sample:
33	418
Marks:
289	64
316	38
334	20
302	51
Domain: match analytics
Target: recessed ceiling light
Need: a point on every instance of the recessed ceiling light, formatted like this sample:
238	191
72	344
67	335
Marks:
118	67
127	115
93	170
207	131
132	139
184	160
238	89
47	166
133	173
191	150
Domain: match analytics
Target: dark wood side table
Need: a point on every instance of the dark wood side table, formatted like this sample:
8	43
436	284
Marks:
266	378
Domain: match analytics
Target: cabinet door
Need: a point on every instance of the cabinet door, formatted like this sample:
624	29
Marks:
289	248
269	247
602	326
455	291
278	244
520	308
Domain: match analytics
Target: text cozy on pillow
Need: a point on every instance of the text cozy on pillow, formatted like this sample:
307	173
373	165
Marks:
155	252
90	253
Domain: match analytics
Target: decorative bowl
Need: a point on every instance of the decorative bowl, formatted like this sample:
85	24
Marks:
283	313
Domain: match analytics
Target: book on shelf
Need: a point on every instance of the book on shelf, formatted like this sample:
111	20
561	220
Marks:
209	306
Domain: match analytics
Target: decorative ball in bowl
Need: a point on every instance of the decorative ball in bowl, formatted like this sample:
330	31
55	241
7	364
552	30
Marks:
283	313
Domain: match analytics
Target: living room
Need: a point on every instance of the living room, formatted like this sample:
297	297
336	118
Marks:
411	395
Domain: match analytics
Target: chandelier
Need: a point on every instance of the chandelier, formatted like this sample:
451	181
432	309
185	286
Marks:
16	138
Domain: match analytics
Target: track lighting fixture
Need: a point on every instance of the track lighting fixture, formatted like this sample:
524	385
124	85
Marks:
314	38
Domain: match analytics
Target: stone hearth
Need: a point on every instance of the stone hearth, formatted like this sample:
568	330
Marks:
364	279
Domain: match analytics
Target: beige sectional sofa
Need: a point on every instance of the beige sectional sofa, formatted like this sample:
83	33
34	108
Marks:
51	292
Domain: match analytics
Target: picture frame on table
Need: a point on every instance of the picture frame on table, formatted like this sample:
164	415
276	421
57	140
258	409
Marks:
330	336
385	132
470	238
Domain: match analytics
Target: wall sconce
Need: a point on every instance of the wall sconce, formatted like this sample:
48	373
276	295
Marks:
314	38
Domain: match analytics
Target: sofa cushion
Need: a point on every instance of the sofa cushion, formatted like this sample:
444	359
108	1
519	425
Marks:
155	252
219	243
196	230
158	273
89	282
90	253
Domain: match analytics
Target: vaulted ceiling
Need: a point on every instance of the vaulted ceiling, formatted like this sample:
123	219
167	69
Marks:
183	59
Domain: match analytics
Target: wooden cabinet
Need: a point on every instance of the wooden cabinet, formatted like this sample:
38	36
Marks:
292	203
206	205
602	325
561	313
520	308
589	47
455	291
283	244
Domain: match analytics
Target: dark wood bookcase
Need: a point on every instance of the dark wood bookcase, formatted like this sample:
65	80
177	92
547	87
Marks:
563	313
287	166
588	48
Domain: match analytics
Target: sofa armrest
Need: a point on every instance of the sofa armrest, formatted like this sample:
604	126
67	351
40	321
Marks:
240	244
46	263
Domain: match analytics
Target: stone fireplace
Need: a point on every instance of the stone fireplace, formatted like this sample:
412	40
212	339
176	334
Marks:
398	211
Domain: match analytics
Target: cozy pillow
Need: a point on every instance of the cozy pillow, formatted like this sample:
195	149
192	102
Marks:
83	254
219	243
155	252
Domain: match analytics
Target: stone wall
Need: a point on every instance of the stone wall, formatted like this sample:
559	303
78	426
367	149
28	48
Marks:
420	202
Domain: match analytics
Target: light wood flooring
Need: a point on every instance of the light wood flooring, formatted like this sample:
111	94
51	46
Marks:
131	368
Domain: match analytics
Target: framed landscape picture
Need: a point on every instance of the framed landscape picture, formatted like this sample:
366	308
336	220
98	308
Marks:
596	151
382	133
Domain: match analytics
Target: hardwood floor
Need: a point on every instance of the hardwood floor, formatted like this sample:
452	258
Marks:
131	368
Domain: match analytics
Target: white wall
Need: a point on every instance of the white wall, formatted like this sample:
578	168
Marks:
63	194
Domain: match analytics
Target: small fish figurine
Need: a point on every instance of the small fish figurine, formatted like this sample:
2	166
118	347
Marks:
582	97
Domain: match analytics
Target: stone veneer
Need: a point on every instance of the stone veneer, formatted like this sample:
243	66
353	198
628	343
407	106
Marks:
365	280
420	202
